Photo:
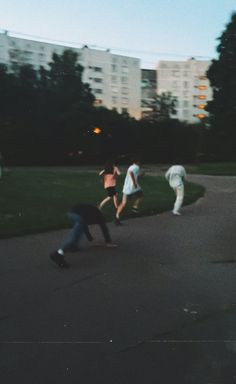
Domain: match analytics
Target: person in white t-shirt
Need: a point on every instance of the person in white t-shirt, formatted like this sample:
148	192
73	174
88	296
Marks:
176	176
131	190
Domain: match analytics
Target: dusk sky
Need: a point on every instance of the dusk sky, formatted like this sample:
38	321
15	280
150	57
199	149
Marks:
149	29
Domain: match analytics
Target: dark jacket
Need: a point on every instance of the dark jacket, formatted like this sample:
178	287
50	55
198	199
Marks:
91	215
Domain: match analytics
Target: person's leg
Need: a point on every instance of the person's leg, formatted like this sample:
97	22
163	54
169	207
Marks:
70	244
121	206
115	201
137	200
135	207
75	233
179	191
120	209
104	201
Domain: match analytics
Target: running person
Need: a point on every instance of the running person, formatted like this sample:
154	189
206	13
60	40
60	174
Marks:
131	190
109	174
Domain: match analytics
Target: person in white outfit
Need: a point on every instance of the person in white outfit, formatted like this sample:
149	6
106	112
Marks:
131	190
176	176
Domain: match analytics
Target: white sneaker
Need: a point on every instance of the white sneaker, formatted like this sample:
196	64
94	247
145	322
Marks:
176	213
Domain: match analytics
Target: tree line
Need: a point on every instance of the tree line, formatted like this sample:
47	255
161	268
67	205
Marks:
48	116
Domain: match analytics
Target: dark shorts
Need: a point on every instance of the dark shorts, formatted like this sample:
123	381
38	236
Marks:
111	191
136	195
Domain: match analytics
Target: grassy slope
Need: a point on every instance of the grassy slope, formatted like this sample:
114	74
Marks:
36	200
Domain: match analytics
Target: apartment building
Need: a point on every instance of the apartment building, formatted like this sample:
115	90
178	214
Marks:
187	81
114	79
148	90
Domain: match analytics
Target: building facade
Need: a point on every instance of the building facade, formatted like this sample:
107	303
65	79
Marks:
148	90
187	81
114	79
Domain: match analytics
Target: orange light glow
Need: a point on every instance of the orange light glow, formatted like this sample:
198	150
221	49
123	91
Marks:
201	116
97	130
201	97
98	102
202	87
201	106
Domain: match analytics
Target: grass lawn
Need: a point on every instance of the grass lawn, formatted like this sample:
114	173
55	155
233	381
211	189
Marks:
37	199
217	169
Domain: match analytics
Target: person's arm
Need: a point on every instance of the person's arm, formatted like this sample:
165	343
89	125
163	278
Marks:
167	174
117	171
87	233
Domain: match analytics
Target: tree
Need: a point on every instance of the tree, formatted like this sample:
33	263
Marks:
64	79
222	76
162	107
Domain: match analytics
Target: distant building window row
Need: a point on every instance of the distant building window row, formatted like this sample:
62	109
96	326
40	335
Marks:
96	69
98	90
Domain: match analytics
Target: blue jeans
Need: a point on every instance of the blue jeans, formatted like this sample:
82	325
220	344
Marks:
75	233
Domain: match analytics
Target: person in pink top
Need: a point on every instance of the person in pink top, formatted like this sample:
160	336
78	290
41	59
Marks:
109	174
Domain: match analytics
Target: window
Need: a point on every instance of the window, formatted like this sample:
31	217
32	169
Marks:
114	99
114	68
124	110
175	84
97	69
202	87
98	90
98	102
98	80
200	116
114	89
124	91
125	100
114	79
201	106
175	73
124	79
185	103
186	84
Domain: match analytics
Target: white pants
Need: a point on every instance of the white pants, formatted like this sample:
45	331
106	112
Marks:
179	192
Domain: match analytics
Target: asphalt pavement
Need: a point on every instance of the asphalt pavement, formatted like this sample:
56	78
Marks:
161	308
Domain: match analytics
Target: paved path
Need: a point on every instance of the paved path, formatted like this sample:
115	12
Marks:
159	309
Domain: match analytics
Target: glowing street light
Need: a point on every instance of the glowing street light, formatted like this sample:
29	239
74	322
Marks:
97	130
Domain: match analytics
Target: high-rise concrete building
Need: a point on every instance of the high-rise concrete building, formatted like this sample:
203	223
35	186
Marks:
148	90
187	81
114	79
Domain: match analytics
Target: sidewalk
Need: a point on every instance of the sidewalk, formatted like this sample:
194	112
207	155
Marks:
158	309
